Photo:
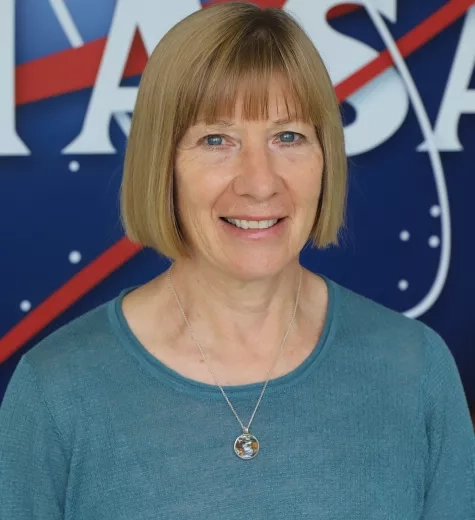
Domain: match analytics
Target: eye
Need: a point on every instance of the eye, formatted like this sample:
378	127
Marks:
213	140
290	138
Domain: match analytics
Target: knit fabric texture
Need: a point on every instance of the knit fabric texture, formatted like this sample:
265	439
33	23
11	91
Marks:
373	425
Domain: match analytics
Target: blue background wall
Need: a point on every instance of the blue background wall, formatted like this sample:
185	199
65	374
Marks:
59	212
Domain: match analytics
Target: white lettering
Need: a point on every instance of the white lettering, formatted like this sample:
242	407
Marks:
153	18
382	105
10	142
458	99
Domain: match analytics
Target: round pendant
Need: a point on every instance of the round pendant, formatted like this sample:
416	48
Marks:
246	446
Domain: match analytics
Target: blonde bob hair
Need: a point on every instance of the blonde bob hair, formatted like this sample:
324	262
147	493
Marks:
196	72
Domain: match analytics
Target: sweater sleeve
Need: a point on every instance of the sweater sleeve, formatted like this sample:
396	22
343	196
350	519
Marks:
450	476
33	465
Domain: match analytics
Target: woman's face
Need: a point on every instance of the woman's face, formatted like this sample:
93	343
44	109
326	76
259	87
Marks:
248	191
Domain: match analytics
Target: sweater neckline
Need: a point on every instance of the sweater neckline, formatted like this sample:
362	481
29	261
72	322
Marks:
173	379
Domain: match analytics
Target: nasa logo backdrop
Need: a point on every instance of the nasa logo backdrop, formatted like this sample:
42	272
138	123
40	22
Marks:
404	72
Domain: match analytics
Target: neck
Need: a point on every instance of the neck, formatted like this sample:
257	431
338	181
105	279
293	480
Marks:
233	311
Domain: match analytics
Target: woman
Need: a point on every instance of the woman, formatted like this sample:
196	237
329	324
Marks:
237	384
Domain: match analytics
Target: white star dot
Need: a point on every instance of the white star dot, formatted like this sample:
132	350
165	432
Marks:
434	241
25	306
74	166
405	236
75	257
435	211
403	285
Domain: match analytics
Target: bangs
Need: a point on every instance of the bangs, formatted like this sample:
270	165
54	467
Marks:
243	73
220	100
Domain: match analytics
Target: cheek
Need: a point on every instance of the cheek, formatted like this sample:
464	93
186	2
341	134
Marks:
305	179
310	193
198	188
315	176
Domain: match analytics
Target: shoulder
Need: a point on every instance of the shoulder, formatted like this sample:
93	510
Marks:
363	315
395	353
76	347
385	334
73	371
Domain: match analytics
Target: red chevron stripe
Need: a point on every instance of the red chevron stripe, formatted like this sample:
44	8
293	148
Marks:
39	79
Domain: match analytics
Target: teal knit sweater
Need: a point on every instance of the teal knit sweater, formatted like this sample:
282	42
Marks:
373	425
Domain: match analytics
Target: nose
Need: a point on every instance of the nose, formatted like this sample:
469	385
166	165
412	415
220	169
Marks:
257	176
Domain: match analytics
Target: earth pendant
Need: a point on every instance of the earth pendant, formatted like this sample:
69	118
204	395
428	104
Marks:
246	446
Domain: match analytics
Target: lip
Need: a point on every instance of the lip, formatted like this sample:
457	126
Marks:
272	217
275	231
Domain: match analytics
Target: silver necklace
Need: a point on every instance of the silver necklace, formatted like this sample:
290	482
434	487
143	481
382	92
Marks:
246	446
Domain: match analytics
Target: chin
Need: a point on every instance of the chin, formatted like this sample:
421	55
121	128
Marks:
250	269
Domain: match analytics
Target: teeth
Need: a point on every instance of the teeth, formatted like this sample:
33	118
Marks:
252	224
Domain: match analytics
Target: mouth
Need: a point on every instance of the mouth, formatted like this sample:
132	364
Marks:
252	224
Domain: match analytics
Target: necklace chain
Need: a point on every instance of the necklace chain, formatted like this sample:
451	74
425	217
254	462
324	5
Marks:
244	428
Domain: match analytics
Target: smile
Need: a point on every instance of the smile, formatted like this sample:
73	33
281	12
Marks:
252	224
